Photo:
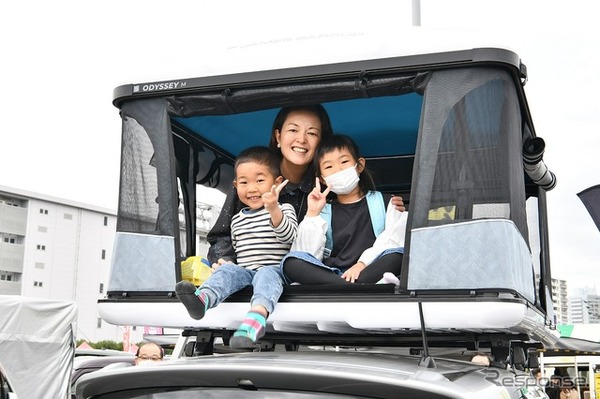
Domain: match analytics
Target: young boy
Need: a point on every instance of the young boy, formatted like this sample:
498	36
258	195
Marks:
262	235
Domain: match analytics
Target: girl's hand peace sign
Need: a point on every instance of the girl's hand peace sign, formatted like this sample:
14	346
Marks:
317	199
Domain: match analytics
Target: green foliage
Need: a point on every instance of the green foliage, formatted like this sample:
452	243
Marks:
106	344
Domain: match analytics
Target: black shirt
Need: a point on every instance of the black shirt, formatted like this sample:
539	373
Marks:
352	232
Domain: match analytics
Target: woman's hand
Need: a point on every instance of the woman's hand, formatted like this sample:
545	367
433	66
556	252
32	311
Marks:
352	274
220	263
317	199
398	203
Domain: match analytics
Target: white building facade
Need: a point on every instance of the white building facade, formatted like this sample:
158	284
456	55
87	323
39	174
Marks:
560	300
593	308
59	249
578	313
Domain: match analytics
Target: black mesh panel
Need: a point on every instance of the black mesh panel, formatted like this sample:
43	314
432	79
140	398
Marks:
468	163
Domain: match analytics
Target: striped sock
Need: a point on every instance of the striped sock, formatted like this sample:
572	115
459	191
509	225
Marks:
203	298
251	330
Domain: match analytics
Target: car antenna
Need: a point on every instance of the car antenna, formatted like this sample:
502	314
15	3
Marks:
426	360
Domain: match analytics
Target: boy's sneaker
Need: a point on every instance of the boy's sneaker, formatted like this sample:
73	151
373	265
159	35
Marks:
194	300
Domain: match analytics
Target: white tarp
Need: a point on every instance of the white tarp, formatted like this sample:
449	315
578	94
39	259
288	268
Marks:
37	345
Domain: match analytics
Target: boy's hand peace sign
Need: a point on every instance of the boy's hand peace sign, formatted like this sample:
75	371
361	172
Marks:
270	201
271	198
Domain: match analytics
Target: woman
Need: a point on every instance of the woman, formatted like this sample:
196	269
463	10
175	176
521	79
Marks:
297	132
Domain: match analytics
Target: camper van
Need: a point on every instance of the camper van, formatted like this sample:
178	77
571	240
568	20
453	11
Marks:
449	130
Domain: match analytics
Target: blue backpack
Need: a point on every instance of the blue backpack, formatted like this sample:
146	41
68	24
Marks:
377	212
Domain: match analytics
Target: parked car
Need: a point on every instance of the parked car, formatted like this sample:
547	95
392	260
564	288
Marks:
100	352
90	363
309	374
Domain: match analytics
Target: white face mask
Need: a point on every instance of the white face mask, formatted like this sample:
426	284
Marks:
344	181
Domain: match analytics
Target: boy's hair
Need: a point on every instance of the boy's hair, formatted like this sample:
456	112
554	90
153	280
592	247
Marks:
339	142
261	155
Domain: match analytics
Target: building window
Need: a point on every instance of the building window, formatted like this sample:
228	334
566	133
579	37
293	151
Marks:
68	216
104	254
101	288
99	323
43	211
39	265
106	220
9	240
41	247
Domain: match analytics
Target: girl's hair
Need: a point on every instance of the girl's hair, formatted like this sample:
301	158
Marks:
339	142
261	155
317	109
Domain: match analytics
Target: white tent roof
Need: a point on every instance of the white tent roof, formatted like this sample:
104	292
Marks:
37	345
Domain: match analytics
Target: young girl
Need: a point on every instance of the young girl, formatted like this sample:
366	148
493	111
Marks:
353	239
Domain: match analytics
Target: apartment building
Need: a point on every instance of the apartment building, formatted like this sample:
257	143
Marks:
578	313
55	248
593	308
560	300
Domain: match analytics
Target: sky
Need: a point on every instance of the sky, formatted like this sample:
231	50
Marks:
60	133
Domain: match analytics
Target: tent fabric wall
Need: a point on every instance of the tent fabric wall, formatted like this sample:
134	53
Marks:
37	345
142	262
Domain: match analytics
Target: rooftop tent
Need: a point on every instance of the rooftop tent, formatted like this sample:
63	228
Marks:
447	131
468	159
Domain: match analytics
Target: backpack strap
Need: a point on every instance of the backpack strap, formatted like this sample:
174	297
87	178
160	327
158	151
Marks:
377	213
326	214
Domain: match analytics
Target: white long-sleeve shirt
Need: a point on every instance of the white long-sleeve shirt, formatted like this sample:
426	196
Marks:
312	235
